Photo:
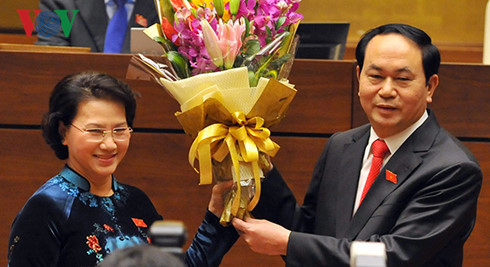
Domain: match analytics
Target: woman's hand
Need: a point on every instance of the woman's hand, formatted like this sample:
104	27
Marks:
217	202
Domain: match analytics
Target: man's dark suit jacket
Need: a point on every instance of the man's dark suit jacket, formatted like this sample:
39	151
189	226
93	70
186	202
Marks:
423	219
91	22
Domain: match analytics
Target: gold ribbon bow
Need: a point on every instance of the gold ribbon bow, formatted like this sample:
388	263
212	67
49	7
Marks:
243	141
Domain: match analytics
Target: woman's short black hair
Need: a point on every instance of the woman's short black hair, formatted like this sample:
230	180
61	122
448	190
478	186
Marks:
431	59
74	89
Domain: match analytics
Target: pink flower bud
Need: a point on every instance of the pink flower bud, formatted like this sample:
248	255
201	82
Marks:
211	43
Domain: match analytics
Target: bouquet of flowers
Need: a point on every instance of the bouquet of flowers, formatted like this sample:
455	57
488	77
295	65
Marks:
226	62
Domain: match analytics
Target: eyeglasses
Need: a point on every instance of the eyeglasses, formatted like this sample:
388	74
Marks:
97	135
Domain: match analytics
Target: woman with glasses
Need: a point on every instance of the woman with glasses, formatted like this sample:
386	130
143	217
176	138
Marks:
83	213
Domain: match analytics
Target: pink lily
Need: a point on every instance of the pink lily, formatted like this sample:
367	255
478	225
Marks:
230	40
211	42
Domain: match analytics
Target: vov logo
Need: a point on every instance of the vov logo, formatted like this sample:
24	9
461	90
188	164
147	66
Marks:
47	23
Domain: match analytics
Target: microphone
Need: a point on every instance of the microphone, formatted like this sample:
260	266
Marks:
367	254
169	235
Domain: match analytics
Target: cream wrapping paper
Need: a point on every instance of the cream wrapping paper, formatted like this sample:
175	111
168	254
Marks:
229	122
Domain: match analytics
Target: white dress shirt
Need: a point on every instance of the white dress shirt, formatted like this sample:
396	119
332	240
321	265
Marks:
393	142
111	7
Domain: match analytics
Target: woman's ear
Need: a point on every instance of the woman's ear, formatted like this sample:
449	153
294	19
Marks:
62	132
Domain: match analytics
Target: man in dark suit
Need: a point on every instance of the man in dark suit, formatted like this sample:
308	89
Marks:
90	24
422	205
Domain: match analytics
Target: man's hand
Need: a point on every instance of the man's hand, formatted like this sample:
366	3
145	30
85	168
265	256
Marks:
263	236
217	202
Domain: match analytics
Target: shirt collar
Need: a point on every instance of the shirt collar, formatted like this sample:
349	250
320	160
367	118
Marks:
394	142
111	2
79	181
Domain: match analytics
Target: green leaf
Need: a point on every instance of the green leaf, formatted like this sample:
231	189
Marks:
251	47
166	43
194	12
280	22
252	79
247	27
268	39
179	63
271	74
238	61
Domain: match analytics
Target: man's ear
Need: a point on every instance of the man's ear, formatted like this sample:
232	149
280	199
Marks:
358	74
431	87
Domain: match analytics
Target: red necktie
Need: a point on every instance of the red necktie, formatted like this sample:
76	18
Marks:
379	148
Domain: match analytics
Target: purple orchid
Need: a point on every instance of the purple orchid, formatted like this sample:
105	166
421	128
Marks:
263	15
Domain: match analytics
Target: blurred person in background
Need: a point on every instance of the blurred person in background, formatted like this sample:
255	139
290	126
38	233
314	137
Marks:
90	24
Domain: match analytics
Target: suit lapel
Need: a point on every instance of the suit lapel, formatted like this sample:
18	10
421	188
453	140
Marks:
402	163
94	16
349	176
